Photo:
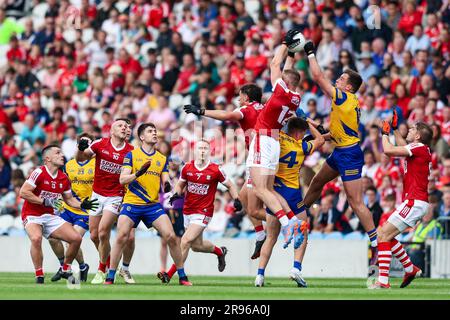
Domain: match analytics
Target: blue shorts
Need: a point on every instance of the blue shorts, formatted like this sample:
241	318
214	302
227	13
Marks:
347	161
76	219
145	213
292	196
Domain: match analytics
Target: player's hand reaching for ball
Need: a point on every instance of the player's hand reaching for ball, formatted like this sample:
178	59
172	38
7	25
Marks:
83	144
309	48
87	204
237	205
174	197
143	169
394	122
289	37
385	128
190	108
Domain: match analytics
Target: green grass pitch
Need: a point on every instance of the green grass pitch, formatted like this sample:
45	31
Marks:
22	286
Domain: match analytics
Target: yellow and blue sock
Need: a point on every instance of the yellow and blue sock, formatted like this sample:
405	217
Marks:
372	234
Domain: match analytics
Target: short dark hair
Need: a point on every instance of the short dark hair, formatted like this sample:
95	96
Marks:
354	79
85	135
253	92
144	126
372	188
124	119
425	132
48	148
293	76
296	124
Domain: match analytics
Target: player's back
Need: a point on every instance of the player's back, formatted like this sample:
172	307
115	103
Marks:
201	187
46	186
292	155
417	172
278	109
108	165
145	189
81	176
344	118
250	113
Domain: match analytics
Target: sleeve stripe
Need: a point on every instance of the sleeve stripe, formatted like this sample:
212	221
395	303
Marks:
34	176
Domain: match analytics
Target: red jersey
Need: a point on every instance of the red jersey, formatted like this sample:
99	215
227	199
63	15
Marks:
201	187
278	109
250	113
45	186
108	165
417	171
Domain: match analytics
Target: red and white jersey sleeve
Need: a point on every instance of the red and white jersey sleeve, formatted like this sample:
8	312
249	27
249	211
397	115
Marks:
108	165
201	187
280	107
417	172
249	113
45	186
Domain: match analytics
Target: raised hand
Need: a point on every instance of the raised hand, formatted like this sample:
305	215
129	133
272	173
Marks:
143	169
190	108
87	204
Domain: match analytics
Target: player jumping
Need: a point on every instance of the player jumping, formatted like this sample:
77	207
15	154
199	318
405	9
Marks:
200	177
347	158
250	101
415	197
81	176
293	151
143	171
109	154
42	193
264	151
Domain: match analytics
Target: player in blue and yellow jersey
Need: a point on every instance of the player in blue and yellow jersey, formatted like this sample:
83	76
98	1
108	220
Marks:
347	158
143	171
81	176
293	150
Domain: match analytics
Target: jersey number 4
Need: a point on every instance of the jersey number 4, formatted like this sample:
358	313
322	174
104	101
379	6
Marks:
282	119
290	159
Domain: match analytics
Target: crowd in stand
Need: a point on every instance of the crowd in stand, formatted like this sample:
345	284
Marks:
74	66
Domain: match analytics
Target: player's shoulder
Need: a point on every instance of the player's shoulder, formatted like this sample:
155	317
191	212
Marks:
129	147
418	148
37	172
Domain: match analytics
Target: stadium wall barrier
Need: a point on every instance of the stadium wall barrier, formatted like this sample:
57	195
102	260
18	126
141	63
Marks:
324	258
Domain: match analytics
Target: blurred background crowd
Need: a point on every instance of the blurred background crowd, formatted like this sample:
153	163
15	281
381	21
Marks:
68	67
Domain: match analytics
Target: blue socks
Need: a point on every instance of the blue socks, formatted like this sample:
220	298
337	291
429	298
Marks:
298	265
111	274
61	261
82	266
181	273
261	271
372	234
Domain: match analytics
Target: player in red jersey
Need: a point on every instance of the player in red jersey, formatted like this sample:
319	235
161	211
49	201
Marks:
201	177
250	102
109	153
264	151
42	194
415	197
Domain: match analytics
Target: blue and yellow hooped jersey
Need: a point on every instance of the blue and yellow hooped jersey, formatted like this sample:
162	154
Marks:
145	189
292	155
344	118
81	176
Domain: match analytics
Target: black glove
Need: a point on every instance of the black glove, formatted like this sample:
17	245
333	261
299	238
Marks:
83	144
289	37
309	48
321	129
237	205
190	108
308	138
174	197
87	204
143	169
167	187
291	54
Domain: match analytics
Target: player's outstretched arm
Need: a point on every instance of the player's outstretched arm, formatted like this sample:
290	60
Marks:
85	204
221	115
319	140
83	152
316	73
388	148
399	140
275	64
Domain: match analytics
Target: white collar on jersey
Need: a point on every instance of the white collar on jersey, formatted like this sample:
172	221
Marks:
201	169
48	171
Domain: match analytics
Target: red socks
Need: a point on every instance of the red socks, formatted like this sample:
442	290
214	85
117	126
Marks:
172	270
280	214
102	267
290	215
399	252
108	262
66	267
39	272
217	251
384	261
259	228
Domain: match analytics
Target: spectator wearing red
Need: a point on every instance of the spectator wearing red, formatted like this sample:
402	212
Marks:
410	18
188	69
238	70
158	10
16	52
57	128
256	61
225	17
388	208
226	87
128	64
314	29
386	168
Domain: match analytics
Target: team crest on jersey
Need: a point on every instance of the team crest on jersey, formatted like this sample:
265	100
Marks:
295	100
60	185
158	163
90	171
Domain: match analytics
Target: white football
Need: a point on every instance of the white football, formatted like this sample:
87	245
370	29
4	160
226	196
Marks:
299	44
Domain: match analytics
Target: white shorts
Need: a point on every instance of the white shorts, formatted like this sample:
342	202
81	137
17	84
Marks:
264	152
408	213
248	179
198	219
106	203
49	222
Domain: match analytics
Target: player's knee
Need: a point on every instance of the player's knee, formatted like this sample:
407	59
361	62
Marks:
103	235
76	239
36	240
131	238
171	238
94	237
